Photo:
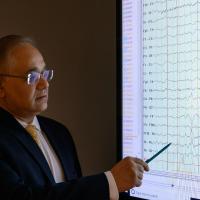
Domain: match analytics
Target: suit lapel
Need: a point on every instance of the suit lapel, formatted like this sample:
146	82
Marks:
64	156
36	153
15	128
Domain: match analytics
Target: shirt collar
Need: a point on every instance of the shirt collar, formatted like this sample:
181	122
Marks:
34	122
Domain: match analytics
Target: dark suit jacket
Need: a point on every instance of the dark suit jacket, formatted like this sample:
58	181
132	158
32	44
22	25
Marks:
25	174
24	171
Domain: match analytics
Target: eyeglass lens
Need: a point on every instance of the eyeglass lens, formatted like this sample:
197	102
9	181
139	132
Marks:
33	77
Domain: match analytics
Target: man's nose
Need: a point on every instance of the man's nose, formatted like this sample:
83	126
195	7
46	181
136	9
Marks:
42	83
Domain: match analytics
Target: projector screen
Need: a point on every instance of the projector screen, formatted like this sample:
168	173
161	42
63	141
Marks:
161	94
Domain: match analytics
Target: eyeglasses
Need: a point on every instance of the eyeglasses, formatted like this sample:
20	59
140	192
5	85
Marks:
33	77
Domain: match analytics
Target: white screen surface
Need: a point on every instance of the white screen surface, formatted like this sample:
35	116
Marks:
161	94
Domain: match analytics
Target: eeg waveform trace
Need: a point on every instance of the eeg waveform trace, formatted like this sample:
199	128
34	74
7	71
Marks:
171	84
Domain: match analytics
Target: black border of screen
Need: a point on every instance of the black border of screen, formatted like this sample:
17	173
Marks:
119	82
119	77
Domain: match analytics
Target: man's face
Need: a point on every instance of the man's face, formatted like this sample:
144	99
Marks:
19	98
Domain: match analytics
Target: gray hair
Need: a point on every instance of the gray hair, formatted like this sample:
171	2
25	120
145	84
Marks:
9	42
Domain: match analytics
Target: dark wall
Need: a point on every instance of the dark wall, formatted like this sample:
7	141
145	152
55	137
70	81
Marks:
77	38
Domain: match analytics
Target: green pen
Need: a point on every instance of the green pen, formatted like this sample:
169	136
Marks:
158	153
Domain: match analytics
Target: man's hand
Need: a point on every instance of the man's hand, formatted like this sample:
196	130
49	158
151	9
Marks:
128	173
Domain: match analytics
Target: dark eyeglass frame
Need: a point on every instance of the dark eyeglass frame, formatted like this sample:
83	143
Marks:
30	74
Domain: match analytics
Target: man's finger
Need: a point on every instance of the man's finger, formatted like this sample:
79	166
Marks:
140	168
140	175
141	162
138	183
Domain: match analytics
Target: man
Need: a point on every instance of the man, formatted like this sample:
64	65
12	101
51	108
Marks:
38	159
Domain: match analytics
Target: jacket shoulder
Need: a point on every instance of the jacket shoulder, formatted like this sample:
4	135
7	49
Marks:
54	126
51	122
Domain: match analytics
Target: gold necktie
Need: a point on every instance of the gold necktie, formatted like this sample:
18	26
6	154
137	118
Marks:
32	130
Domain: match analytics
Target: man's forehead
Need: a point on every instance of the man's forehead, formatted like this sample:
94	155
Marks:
37	69
26	57
25	51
